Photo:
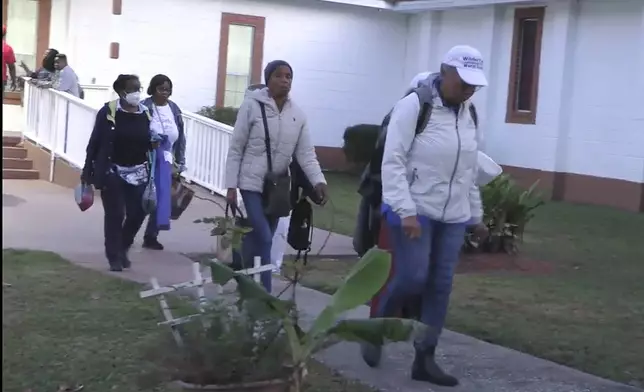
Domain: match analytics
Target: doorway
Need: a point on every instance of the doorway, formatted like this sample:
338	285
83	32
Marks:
27	23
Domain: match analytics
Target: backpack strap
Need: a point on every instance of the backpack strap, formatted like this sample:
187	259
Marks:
426	100
111	112
474	115
475	118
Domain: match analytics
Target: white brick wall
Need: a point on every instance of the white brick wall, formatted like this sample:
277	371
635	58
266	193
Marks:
352	63
348	61
589	117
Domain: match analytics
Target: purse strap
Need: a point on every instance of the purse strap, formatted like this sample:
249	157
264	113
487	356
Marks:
267	138
234	210
152	161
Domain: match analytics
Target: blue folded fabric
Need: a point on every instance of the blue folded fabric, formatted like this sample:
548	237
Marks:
394	219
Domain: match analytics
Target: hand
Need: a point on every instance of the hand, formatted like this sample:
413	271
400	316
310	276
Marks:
480	232
323	192
231	196
411	227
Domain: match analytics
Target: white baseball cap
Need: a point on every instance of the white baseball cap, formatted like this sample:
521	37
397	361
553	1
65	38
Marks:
469	64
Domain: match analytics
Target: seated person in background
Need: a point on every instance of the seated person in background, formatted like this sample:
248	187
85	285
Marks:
66	79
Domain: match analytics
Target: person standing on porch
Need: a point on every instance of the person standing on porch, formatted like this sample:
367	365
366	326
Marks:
167	122
269	131
117	164
8	63
430	197
45	73
66	79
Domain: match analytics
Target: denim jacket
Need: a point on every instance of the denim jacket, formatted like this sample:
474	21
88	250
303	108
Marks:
179	147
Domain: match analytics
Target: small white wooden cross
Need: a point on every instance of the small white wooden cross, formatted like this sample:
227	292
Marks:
198	281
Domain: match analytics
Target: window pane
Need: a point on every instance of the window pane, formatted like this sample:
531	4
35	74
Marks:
236	86
240	49
526	64
229	99
22	32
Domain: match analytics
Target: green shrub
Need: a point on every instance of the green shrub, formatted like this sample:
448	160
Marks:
222	115
507	209
360	142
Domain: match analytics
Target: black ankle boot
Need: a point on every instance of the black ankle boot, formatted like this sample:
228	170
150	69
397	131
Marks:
116	266
124	259
371	354
426	369
152	243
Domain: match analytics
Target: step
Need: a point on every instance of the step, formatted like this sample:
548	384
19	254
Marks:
11	141
14	152
16	163
18	174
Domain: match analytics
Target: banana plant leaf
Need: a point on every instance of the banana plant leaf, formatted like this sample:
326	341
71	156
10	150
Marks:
379	330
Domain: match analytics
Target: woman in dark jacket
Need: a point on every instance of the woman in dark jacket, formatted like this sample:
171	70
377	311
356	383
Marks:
117	163
167	122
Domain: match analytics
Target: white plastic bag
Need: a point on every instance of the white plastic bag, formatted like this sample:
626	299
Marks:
279	242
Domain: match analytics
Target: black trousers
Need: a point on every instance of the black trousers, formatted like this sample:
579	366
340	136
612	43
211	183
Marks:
124	215
152	230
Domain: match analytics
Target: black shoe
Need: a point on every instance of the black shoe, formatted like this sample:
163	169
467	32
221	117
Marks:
426	369
116	266
371	354
124	259
152	243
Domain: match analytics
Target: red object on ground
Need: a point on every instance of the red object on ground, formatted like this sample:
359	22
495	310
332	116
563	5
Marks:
411	309
384	244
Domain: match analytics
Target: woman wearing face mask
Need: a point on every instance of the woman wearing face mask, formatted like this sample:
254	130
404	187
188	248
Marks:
248	167
167	122
117	165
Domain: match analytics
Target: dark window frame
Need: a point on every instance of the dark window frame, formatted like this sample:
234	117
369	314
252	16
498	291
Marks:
227	19
513	114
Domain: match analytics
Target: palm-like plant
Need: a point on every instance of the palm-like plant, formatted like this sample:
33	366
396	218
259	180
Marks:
361	284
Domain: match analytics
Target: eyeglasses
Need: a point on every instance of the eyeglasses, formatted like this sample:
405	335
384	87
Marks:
162	89
466	86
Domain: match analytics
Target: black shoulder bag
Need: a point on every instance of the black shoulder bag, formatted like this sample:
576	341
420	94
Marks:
276	193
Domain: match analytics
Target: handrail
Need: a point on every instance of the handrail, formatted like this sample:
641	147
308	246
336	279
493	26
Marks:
62	124
208	121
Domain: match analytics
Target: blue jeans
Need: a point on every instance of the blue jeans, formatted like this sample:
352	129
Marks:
424	266
259	241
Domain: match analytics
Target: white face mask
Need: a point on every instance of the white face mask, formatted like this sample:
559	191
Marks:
133	98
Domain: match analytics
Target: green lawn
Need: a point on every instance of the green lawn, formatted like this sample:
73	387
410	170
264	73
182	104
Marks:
66	325
587	314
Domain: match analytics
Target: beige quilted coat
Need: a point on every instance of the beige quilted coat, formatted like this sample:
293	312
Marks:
246	164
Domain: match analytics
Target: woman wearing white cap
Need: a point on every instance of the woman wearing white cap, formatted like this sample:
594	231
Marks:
430	198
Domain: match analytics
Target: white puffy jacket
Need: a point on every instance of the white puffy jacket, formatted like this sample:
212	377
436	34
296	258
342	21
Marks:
433	173
246	164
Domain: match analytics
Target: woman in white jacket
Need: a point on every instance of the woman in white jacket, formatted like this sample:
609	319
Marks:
430	197
247	165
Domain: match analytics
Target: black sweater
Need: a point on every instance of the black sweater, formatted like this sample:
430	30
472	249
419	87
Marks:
103	144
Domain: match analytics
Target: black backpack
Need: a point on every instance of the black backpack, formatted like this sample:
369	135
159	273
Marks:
368	224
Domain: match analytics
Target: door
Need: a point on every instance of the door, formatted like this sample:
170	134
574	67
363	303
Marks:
27	23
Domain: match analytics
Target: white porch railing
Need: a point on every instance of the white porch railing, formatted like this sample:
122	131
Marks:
62	124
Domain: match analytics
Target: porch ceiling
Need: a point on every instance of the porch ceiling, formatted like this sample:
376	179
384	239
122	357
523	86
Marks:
425	5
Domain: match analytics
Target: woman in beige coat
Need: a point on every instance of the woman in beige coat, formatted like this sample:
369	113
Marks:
247	162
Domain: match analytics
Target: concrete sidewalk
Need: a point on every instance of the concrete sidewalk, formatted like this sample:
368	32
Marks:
39	215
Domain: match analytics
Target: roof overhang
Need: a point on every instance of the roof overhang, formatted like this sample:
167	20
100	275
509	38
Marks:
424	5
